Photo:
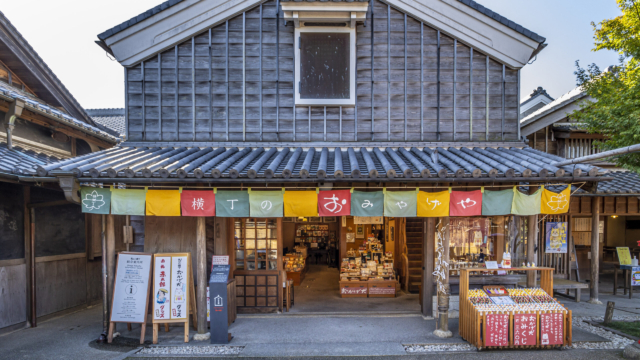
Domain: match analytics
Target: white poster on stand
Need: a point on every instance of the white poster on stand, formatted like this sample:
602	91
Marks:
162	286
179	268
131	289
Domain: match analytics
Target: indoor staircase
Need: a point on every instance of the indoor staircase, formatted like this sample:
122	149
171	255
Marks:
415	235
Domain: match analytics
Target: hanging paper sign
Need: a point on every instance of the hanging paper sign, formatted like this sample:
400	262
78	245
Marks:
433	204
162	287
367	203
551	328
300	203
400	204
163	203
198	203
555	203
219	260
524	204
360	220
334	203
556	238
466	203
497	333
179	291
131	289
232	204
495	203
525	329
95	200
127	202
266	203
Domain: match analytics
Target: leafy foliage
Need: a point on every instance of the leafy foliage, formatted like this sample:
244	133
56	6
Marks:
614	107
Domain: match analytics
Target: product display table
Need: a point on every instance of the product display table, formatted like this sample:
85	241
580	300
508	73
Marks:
628	271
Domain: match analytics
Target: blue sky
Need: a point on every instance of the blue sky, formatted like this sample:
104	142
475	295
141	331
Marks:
63	33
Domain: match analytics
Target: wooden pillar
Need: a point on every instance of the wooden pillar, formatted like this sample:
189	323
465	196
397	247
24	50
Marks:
201	266
105	284
429	226
110	237
595	244
442	329
532	239
26	196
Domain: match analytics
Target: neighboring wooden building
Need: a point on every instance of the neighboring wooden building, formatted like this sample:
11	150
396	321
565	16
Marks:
41	123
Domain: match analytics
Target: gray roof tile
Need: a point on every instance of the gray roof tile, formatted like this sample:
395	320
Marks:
22	161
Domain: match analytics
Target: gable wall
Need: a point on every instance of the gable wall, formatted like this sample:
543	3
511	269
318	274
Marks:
402	107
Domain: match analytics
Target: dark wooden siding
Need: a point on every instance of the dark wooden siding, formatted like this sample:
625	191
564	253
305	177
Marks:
235	82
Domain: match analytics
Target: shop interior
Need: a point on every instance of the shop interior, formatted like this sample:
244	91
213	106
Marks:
340	264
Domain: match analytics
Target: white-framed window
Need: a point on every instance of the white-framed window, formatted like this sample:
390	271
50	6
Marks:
325	63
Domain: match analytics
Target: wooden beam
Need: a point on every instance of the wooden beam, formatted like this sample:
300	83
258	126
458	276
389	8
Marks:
201	266
111	255
42	120
532	239
26	196
576	135
595	243
429	226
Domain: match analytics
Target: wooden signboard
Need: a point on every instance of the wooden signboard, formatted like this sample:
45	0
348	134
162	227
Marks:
497	330
624	255
551	328
173	292
353	289
130	298
525	329
382	288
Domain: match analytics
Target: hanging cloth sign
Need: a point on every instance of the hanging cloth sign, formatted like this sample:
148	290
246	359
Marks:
198	203
555	203
497	202
163	203
400	204
95	200
367	203
433	204
232	204
466	203
300	203
127	202
334	203
524	204
266	203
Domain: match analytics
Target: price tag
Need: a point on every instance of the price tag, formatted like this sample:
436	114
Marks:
492	265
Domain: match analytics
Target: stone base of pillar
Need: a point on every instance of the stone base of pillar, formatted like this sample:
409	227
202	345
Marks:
201	337
595	302
443	334
632	351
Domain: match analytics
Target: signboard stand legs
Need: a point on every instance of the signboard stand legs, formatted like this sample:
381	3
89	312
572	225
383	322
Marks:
130	297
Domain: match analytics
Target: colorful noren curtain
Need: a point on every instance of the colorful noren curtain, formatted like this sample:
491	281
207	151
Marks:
367	203
95	200
400	203
524	204
497	202
198	203
300	203
555	203
163	203
232	204
466	203
266	203
127	202
433	204
334	203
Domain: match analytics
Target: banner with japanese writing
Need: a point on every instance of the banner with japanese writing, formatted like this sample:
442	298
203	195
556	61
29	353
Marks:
127	202
300	203
524	204
163	203
161	287
433	204
266	203
466	203
367	203
198	203
95	200
555	203
525	329
232	204
497	333
497	202
551	329
334	203
179	287
400	203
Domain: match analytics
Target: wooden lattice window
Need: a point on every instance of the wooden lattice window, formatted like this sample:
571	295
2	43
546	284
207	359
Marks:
256	244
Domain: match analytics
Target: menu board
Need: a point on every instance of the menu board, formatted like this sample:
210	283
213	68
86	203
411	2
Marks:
624	255
131	289
497	330
551	328
525	329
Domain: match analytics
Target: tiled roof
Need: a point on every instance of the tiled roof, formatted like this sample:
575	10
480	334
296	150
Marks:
474	5
563	100
624	183
110	118
21	161
315	164
38	106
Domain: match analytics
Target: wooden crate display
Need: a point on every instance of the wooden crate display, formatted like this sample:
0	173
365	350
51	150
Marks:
351	289
384	288
497	331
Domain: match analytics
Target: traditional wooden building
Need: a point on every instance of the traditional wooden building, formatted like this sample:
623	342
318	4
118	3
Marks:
44	267
299	95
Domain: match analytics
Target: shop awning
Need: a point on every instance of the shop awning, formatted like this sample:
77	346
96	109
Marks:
317	164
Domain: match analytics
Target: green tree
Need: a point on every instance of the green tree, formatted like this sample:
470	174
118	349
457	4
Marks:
614	110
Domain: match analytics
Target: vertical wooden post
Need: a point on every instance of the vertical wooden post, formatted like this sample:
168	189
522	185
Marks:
532	239
595	243
26	196
443	298
110	237
32	264
201	266
428	247
105	286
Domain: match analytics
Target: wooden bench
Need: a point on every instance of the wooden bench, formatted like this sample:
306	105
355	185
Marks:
560	284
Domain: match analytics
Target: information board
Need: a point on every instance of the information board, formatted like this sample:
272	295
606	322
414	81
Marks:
624	255
502	300
497	327
131	289
219	274
525	329
551	328
220	260
635	276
